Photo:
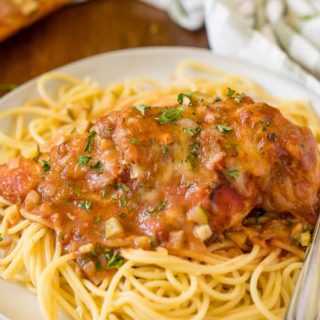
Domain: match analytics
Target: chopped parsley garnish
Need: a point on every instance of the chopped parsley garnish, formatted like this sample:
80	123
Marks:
159	207
223	128
122	215
115	260
97	219
230	145
123	201
84	160
142	108
1	236
192	132
133	140
194	148
192	155
104	193
165	149
238	98
114	197
123	186
183	95
98	265
230	92
86	205
233	174
90	139
169	116
266	125
98	166
46	165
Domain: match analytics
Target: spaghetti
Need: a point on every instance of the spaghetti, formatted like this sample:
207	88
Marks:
224	283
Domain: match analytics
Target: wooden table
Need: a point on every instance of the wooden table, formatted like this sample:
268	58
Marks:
82	30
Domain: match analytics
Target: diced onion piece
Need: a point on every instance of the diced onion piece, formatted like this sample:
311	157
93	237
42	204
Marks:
187	123
204	98
32	199
176	239
86	248
142	242
135	171
203	232
113	227
239	238
197	214
305	238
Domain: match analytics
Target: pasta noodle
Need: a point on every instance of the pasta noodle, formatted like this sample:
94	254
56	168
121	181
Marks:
165	285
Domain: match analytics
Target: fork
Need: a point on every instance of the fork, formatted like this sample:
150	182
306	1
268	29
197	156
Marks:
305	301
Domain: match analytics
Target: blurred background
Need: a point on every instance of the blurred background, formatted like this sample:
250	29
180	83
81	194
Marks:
77	31
39	35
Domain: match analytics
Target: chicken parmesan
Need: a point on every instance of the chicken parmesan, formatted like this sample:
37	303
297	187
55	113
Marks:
179	203
181	176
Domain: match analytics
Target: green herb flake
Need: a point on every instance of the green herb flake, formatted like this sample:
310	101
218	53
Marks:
183	95
159	207
122	215
115	261
97	219
233	174
169	116
114	197
133	140
223	128
104	193
90	139
230	145
98	166
165	149
123	186
1	237
142	108
192	132
238	98
192	155
86	205
230	92
46	165
266	125
84	160
123	201
98	265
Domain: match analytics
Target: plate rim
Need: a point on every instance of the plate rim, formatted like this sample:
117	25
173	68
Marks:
149	49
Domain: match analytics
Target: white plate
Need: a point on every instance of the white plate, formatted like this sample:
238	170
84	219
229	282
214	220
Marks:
16	302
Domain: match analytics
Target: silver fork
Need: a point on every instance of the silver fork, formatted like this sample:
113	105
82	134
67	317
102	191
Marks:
305	301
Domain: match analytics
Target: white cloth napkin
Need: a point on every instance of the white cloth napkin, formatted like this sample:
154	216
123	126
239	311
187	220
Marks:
281	35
